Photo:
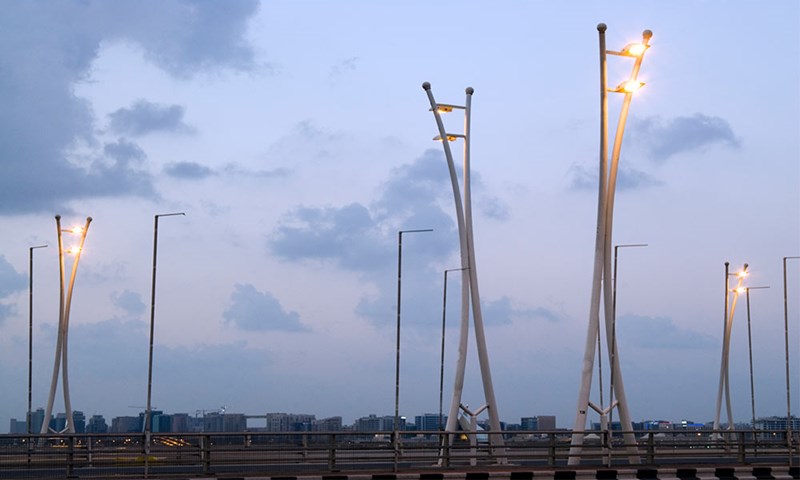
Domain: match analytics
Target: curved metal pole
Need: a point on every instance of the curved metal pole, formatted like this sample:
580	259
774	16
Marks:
59	337
594	307
477	314
730	307
619	388
64	351
458	385
441	364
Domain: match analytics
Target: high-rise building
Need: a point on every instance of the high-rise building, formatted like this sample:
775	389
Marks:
126	425
97	424
541	422
80	421
289	422
332	424
17	427
373	423
430	422
37	419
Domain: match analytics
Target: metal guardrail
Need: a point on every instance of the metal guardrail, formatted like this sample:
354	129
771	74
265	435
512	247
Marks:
312	453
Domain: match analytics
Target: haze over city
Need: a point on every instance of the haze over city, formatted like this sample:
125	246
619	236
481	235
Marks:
296	138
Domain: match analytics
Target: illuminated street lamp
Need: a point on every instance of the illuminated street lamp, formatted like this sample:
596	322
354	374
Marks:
30	334
61	357
724	382
470	294
601	280
786	343
395	426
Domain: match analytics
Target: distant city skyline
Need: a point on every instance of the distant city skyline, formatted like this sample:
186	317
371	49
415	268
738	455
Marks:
296	137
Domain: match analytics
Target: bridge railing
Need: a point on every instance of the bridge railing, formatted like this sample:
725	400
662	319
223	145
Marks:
315	453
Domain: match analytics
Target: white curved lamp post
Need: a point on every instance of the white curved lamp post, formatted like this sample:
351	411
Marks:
470	295
602	261
62	358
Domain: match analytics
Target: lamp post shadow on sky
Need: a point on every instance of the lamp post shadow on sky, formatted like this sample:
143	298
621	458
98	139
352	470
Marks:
470	293
727	327
147	426
30	335
786	346
395	423
61	362
601	278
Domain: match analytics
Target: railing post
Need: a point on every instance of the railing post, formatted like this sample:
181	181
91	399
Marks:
551	450
70	456
331	452
651	449
741	447
205	453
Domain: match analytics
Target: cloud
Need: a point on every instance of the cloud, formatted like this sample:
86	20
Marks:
234	169
124	151
346	65
145	117
256	311
502	312
188	170
129	302
7	311
666	138
48	48
363	238
583	178
10	280
658	332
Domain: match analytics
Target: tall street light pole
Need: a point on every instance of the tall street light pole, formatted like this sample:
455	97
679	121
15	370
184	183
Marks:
786	344
727	327
30	334
64	304
395	426
614	328
444	320
147	426
601	278
750	355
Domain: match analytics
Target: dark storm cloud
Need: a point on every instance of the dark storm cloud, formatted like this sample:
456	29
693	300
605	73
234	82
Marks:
145	117
188	170
129	302
583	178
49	46
665	138
658	332
256	311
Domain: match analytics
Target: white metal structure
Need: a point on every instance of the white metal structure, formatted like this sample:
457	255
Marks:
470	295
724	382
62	358
602	260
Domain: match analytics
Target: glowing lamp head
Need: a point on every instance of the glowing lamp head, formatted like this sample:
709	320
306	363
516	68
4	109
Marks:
73	250
444	108
77	230
450	138
629	86
740	290
742	274
635	49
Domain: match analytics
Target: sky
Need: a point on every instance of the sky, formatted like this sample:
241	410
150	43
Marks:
296	138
